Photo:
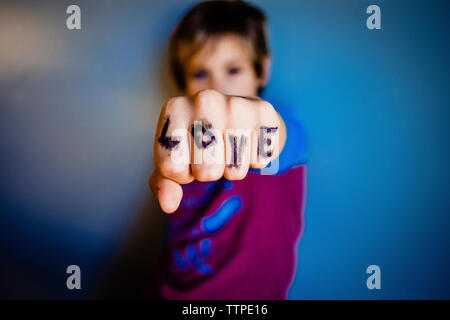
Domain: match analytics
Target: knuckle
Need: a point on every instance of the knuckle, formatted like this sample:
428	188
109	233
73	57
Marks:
266	107
205	98
174	104
171	171
230	175
266	112
234	105
207	175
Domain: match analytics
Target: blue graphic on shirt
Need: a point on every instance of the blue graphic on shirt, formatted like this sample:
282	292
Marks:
194	258
218	219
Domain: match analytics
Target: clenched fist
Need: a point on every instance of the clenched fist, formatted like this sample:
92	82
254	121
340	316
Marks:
210	135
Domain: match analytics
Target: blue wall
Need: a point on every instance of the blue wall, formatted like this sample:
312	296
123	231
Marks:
78	111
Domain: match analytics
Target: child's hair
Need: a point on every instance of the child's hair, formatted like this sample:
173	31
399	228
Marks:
214	18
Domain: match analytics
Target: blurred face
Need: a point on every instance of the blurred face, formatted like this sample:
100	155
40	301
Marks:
224	65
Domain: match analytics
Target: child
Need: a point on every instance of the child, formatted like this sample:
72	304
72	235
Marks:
233	231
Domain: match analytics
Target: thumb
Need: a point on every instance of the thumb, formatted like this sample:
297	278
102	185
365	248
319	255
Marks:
168	192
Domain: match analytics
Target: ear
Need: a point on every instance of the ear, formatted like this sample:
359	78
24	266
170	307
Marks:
266	70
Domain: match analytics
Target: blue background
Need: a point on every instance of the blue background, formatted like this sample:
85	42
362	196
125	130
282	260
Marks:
78	111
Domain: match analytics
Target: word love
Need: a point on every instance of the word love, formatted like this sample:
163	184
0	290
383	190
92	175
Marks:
205	144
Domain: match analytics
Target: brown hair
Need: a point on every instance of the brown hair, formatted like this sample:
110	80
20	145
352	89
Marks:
215	18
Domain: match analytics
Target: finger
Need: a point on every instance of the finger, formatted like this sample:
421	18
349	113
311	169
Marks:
237	153
207	148
265	137
168	192
238	137
171	148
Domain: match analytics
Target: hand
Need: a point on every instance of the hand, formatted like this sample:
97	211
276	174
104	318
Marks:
210	135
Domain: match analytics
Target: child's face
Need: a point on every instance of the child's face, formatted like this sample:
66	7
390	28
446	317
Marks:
223	65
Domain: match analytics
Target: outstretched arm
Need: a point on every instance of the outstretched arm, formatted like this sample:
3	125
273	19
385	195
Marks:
210	135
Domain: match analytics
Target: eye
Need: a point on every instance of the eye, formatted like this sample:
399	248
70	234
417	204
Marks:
201	74
233	71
